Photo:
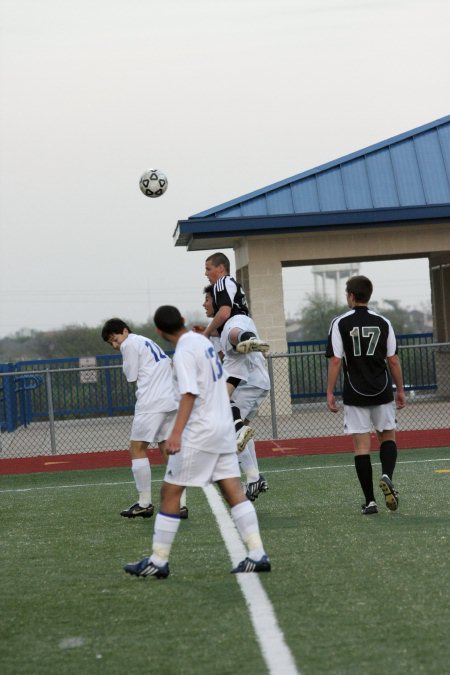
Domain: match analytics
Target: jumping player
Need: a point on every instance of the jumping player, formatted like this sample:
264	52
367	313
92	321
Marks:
365	342
248	396
237	332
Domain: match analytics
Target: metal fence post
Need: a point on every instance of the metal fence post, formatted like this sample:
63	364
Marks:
273	409
51	414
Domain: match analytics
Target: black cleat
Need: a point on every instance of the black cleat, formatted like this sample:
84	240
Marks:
390	493
249	565
367	509
184	513
146	568
135	510
254	489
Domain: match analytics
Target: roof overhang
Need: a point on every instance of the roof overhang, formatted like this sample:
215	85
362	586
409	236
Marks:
199	234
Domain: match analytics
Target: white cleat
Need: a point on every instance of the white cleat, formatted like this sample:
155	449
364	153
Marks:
252	345
242	437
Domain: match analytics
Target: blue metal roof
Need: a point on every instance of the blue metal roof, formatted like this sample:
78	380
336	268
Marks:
399	176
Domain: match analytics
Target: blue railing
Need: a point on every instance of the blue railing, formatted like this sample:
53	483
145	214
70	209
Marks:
103	391
308	374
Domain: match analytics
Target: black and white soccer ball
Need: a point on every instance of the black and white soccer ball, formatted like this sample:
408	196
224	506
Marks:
153	183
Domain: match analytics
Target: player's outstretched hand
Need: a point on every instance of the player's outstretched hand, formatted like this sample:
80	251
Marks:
198	328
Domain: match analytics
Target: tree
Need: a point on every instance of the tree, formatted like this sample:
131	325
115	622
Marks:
316	316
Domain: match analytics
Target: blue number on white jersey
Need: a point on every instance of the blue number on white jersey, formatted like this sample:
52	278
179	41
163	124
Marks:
216	366
156	351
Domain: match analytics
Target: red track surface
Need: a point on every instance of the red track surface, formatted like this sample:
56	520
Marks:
428	438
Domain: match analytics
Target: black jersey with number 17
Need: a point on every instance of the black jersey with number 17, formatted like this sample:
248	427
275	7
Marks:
363	339
227	292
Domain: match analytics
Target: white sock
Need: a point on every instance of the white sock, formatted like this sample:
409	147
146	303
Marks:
246	521
142	474
247	462
164	533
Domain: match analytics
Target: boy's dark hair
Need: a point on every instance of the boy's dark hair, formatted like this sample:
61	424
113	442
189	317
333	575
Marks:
209	289
168	319
361	287
114	326
219	259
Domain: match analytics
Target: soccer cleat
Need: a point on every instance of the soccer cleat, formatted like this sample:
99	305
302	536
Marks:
367	509
146	568
184	513
254	489
136	510
242	437
390	493
249	565
252	345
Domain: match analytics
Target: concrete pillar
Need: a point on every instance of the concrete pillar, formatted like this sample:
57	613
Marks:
440	294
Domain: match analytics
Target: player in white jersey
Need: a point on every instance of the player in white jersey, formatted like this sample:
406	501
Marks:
201	449
248	396
363	341
146	364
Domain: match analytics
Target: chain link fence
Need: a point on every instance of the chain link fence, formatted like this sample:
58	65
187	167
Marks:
67	410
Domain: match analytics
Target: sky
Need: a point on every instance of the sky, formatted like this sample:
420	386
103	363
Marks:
224	96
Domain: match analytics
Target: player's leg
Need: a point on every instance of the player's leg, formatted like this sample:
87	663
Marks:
255	481
243	431
245	340
141	470
357	422
244	516
363	466
167	522
388	458
184	511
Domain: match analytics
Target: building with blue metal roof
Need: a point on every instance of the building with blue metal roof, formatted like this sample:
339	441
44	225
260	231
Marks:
387	201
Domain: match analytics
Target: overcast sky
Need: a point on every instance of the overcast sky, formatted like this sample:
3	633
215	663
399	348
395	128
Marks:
225	96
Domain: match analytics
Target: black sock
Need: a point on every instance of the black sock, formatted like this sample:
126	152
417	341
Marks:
245	335
238	423
363	467
388	457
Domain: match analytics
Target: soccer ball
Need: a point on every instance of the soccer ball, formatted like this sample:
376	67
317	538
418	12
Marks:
153	183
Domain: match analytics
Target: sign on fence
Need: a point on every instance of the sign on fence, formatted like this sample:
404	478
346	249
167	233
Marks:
88	376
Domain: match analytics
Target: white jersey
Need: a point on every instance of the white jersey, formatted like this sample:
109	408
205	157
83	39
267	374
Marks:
198	371
145	363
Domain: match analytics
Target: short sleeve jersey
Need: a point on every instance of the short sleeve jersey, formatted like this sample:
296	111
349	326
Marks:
363	339
198	371
145	363
228	292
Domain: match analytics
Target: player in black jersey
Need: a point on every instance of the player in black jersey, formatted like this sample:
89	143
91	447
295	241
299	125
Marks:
236	329
364	342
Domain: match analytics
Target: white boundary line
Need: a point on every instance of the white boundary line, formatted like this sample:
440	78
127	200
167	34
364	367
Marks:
276	653
129	482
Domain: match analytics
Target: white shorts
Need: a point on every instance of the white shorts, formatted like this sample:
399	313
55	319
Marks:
234	363
152	427
248	399
196	468
361	420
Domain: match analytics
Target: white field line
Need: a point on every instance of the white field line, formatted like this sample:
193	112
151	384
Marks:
300	468
276	653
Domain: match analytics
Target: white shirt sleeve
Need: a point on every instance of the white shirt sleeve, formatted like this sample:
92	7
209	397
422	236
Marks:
336	341
130	357
186	372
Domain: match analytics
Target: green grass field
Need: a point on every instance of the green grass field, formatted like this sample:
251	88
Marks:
352	594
